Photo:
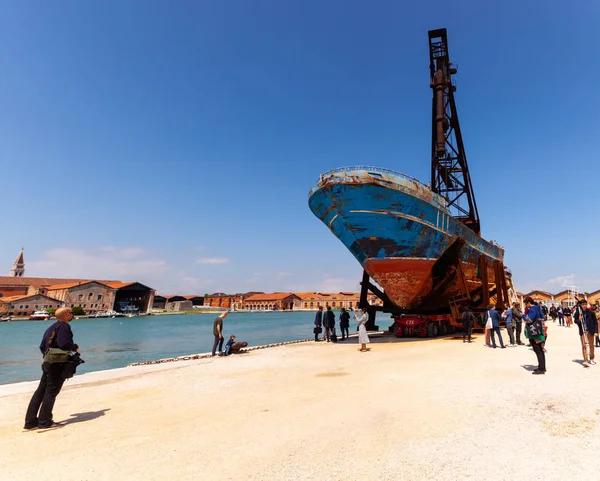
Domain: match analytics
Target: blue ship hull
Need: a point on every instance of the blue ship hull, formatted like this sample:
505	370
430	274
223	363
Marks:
402	234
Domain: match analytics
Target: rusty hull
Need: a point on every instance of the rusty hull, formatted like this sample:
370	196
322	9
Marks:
402	234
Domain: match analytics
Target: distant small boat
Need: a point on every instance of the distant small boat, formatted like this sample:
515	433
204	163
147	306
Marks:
129	311
106	314
5	319
42	315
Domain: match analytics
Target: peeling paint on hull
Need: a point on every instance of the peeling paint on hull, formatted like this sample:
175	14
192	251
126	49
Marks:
398	229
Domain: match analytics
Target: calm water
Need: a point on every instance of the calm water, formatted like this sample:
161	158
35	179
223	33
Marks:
112	343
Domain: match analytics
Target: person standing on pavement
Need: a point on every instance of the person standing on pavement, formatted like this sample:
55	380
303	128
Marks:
344	323
218	333
508	318
561	316
495	317
467	323
591	328
363	337
517	318
568	319
534	319
56	345
328	324
596	337
585	323
318	323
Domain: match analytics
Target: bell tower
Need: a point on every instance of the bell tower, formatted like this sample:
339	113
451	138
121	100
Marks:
18	269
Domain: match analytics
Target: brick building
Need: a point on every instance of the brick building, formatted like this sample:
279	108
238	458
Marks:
277	301
227	301
594	297
312	300
176	302
92	296
25	305
219	299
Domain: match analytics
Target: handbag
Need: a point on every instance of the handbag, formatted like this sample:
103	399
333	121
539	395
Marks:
70	366
489	324
317	330
534	328
55	354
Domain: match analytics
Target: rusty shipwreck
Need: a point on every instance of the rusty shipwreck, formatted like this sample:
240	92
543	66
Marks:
420	243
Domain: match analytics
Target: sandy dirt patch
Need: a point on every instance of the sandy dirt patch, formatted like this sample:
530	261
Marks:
423	409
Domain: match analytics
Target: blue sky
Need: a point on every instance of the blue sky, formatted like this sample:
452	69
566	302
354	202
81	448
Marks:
175	142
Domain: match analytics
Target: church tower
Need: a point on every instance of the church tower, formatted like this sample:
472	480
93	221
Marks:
18	269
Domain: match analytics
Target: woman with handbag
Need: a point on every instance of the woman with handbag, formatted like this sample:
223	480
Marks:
489	327
534	331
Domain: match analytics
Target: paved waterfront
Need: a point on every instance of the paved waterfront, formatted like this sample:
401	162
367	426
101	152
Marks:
114	343
410	410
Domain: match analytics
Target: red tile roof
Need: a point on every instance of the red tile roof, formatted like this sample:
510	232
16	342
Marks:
118	284
22	298
305	295
276	296
41	281
68	285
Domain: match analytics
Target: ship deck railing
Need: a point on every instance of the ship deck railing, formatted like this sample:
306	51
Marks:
368	169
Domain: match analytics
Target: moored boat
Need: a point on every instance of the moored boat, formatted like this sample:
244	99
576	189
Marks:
41	315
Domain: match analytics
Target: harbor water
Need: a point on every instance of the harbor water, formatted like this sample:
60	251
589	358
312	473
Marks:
114	343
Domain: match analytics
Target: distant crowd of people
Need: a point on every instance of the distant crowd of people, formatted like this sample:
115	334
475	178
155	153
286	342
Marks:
534	317
325	323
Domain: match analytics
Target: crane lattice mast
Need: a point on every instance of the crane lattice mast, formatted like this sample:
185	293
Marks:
449	170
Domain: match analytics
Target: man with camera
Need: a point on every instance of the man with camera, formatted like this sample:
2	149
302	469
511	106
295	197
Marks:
56	345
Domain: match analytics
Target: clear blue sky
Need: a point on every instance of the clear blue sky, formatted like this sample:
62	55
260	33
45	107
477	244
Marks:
175	142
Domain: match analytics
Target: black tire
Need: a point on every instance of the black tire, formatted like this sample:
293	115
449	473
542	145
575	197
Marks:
432	329
443	328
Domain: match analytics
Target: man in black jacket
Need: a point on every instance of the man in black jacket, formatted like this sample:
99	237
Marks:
588	327
328	323
517	319
344	323
58	335
318	322
467	322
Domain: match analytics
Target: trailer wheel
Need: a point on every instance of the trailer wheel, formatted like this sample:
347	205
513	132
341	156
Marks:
443	328
432	329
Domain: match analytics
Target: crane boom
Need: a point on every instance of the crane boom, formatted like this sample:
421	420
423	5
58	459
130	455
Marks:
449	169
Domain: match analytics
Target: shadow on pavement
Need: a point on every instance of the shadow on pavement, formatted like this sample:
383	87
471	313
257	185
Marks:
83	417
529	367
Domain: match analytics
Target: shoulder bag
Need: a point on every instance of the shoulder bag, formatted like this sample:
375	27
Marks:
55	354
489	324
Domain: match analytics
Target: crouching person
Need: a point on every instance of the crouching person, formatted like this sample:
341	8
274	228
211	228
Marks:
233	347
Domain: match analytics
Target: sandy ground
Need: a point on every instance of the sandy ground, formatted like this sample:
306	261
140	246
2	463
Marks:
418	409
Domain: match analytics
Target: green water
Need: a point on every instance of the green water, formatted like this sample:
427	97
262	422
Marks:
113	343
